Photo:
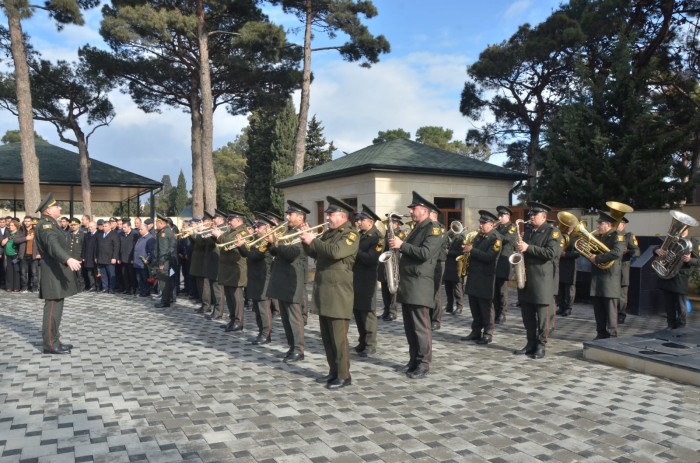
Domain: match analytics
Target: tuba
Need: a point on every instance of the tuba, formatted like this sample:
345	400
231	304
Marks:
668	266
463	260
618	211
390	259
517	260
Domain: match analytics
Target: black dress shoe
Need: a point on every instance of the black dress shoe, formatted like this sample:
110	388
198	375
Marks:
539	352
294	357
527	350
67	346
325	379
471	337
234	327
449	310
486	339
621	318
435	326
566	312
261	340
60	350
418	373
388	317
162	305
366	353
359	348
338	383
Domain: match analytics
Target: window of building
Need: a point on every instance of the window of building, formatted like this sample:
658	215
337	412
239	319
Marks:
450	210
320	215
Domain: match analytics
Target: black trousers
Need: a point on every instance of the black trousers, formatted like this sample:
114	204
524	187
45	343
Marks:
416	323
676	309
389	300
293	323
234	302
455	294
605	311
483	315
500	297
263	317
535	320
566	295
436	311
366	321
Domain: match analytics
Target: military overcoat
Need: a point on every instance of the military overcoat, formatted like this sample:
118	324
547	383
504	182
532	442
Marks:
289	271
57	280
632	248
419	255
606	283
198	249
481	276
335	252
259	269
76	245
233	267
210	265
567	264
509	238
543	246
454	251
365	270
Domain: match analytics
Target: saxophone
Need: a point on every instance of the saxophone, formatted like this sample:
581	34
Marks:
463	260
390	259
517	260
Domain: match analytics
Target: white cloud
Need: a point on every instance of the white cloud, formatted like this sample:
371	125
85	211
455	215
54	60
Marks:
517	9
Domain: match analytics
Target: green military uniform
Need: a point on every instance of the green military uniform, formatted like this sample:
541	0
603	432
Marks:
57	280
567	279
605	284
333	294
419	254
674	289
287	279
388	299
365	288
537	295
233	276
165	245
631	249
436	310
259	266
509	239
212	293
479	286
552	310
197	265
76	247
454	283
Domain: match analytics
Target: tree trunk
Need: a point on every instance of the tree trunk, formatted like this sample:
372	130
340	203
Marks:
207	113
84	172
300	147
532	162
196	130
30	162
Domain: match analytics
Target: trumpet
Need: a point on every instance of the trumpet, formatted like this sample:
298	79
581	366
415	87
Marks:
185	232
275	231
206	233
230	244
294	238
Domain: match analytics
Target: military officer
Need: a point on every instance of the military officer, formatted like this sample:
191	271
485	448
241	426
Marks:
259	265
605	283
509	238
631	250
364	273
552	310
333	295
436	310
288	279
389	299
233	268
419	254
539	246
567	277
481	277
165	245
454	283
197	260
76	247
674	289
58	279
212	293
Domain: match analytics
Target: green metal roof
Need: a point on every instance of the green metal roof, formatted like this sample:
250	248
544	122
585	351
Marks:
403	156
58	166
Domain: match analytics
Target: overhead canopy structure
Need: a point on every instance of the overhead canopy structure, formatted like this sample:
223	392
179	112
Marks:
59	171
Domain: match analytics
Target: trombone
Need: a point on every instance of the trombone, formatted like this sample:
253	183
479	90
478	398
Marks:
275	231
294	238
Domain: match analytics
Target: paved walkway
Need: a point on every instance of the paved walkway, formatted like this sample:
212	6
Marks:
155	385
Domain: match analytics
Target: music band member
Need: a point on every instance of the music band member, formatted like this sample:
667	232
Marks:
232	276
389	299
454	283
674	289
481	277
419	254
259	266
605	283
631	250
436	310
539	246
509	239
567	277
165	252
333	296
287	281
364	282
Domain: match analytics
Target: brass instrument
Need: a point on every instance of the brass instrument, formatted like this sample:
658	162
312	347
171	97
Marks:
230	244
390	259
566	220
668	265
463	260
185	232
618	211
207	232
294	238
456	228
517	260
277	231
584	241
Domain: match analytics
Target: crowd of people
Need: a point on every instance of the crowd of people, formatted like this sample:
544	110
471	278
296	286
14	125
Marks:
228	260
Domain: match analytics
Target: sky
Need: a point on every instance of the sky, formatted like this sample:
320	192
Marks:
418	84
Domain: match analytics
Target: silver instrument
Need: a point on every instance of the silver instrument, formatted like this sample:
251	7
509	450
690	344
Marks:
390	259
668	265
517	260
206	233
456	228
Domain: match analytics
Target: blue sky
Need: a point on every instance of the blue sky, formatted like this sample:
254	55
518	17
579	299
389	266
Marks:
419	83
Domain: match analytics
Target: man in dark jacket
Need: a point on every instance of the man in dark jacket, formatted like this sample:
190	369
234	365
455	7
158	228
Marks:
419	255
90	258
364	273
29	256
259	263
394	224
76	248
481	276
4	233
127	241
674	289
454	283
233	269
58	274
567	277
436	310
509	238
631	250
107	254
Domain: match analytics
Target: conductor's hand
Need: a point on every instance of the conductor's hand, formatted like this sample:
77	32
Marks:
73	264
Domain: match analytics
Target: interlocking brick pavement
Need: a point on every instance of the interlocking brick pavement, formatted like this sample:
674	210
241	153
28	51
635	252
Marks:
155	385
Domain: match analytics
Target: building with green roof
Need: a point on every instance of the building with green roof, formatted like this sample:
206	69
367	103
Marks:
383	176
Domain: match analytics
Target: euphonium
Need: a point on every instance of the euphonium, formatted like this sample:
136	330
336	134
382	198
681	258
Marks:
390	259
517	260
584	241
463	260
456	228
668	265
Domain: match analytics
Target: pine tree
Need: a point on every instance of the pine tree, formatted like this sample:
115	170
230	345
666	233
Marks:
318	150
178	196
